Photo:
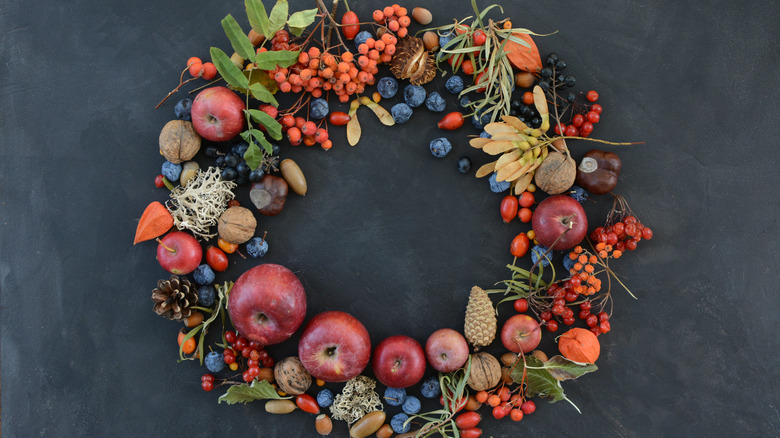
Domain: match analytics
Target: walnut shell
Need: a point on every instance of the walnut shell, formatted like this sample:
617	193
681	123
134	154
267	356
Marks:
485	371
291	376
237	225
556	174
179	141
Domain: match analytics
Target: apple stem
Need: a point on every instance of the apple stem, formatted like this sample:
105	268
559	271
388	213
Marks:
163	245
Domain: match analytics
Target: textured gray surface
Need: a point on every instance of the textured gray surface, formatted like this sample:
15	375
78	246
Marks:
387	232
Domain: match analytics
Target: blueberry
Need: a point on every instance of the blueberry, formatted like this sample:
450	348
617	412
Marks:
182	109
568	263
325	398
440	147
211	152
220	161
435	102
257	247
171	171
395	396
256	175
397	423
537	252
214	362
203	274
464	165
229	174
454	84
430	387
232	160
401	112
497	187
318	109
479	122
411	405
414	95
275	149
387	87
206	295
445	39
578	193
570	81
464	102
240	149
242	169
484	134
361	37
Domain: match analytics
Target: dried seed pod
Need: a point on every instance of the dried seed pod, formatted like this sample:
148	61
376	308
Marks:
293	174
237	225
556	174
179	141
411	61
323	424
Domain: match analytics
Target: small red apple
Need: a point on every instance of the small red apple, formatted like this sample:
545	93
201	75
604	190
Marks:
267	304
521	333
399	362
218	114
446	350
334	347
179	252
560	216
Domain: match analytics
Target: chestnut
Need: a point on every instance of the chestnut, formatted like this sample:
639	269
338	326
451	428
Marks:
598	171
269	195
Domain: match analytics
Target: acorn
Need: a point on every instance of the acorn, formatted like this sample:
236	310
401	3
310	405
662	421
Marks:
422	15
430	40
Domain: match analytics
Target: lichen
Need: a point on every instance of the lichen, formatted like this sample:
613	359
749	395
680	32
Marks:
198	206
356	400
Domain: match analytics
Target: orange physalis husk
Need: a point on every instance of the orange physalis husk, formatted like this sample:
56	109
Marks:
522	57
155	222
579	345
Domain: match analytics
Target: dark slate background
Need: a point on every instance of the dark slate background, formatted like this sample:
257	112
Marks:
387	232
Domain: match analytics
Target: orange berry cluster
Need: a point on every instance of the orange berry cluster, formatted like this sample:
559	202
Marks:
200	69
583	280
376	51
395	18
299	130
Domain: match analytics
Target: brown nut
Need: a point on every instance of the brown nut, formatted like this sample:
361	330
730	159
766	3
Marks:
370	423
386	431
291	376
508	359
556	173
422	15
237	225
598	171
323	424
539	354
279	406
524	79
431	40
179	141
269	195
293	174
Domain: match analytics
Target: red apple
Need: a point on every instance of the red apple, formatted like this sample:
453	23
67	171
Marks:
521	333
267	304
399	362
334	347
560	215
446	350
218	114
179	252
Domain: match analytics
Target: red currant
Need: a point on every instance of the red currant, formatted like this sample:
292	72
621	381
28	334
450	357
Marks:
571	296
593	117
528	407
596	108
631	245
585	305
586	128
559	129
584	314
207	378
578	120
521	305
230	336
252	363
546	315
592	320
552	326
207	386
568	321
268	362
603	316
592	96
647	233
604	327
571	131
240	343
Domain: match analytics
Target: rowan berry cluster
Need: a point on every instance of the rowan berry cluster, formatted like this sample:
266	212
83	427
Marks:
395	18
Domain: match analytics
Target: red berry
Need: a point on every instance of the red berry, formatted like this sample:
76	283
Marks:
479	38
647	233
451	121
528	407
592	320
526	199
240	344
592	96
509	207
578	120
593	117
498	413
196	69
603	316
216	258
309	128
521	305
596	108
571	131
586	128
546	315
209	71
207	386
230	336
159	182
516	414
604	327
552	325
194	60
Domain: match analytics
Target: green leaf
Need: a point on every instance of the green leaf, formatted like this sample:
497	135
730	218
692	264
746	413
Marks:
540	382
270	59
229	72
238	38
301	20
253	155
243	393
258	18
565	369
278	17
273	127
262	94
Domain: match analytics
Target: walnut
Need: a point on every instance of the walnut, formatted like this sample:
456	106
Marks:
411	61
237	225
179	141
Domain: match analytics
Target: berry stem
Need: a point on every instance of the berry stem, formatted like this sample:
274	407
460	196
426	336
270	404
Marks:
174	91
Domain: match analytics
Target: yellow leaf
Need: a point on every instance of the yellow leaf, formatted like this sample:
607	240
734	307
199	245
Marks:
494	128
507	158
498	147
486	170
515	123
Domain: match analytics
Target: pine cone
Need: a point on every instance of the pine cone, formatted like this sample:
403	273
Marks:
480	327
174	297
